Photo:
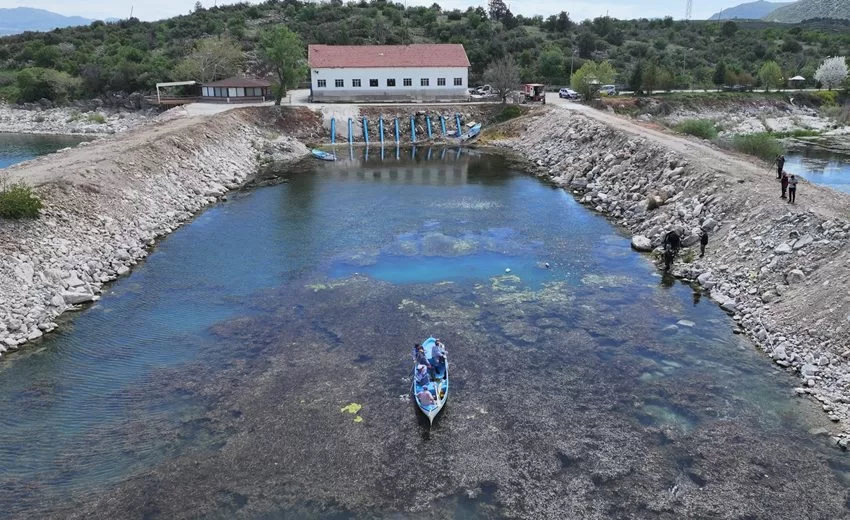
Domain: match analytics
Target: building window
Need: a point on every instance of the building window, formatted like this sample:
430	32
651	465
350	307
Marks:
458	82
321	83
391	82
441	82
355	83
339	83
373	83
408	82
423	82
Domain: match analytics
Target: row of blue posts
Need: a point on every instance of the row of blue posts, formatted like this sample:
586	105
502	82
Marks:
397	135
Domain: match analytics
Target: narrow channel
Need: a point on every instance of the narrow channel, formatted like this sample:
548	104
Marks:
212	378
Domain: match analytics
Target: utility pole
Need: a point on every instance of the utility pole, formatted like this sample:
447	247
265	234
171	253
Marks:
572	57
689	9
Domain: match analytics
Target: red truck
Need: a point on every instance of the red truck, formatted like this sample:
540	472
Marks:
533	91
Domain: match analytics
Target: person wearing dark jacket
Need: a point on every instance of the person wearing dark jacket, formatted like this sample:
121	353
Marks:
703	241
672	240
780	163
784	183
792	189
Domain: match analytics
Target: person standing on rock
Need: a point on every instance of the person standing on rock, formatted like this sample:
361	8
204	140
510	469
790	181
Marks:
784	183
703	241
792	189
780	164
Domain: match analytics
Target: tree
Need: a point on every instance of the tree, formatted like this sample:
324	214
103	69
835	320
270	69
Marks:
832	72
503	76
729	29
550	65
650	77
719	77
590	76
497	9
636	78
666	80
770	75
283	52
586	44
212	59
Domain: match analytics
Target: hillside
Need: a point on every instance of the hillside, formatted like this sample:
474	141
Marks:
749	11
20	19
131	55
810	9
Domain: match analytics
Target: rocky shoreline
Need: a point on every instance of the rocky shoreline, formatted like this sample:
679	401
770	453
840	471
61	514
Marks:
778	270
105	205
71	120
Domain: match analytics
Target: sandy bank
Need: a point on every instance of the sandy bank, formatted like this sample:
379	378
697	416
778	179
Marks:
779	270
107	202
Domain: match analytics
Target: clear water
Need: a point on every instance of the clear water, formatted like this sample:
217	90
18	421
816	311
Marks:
15	148
820	167
211	380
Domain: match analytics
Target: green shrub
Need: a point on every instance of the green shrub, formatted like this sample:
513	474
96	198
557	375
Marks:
35	83
827	98
19	201
762	145
702	128
96	117
509	112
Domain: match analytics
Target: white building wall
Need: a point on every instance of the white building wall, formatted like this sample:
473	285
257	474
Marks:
383	92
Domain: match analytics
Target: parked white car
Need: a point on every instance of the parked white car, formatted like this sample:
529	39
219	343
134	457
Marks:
567	93
608	90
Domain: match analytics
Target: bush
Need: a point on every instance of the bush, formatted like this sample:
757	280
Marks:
762	145
96	117
702	128
19	201
827	98
509	112
36	83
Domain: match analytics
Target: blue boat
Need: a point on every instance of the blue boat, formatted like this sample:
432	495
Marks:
473	129
321	154
438	386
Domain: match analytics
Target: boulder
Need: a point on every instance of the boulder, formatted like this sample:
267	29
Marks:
783	249
74	297
779	352
809	370
795	276
641	243
803	242
709	224
706	280
769	296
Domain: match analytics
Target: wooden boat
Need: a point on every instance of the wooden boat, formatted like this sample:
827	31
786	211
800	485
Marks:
438	386
323	155
473	129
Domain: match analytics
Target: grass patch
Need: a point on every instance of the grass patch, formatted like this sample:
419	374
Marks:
19	201
688	256
763	145
702	128
797	132
96	118
508	113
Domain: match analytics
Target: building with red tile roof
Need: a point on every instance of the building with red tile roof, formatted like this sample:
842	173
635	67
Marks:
360	73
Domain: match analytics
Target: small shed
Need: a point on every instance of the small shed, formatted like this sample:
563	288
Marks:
236	90
796	81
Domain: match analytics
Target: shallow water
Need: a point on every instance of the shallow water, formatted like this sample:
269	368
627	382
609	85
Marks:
820	167
15	148
211	380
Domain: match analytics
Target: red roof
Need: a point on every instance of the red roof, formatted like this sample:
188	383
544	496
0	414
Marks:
239	81
373	56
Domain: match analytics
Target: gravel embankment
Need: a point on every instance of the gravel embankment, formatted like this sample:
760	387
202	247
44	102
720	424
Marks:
107	202
778	270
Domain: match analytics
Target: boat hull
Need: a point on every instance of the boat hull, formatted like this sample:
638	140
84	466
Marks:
322	155
439	385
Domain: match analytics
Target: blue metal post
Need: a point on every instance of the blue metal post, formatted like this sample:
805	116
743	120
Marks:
428	156
412	130
457	120
381	129
365	131
443	125
397	150
350	135
396	131
333	130
413	153
428	125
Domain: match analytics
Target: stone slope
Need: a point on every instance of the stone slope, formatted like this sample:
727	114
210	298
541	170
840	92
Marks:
779	270
107	202
808	9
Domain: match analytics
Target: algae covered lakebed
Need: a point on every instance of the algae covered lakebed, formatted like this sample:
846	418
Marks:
257	366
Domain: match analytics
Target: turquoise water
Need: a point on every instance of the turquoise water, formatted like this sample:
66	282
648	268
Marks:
15	148
211	378
820	167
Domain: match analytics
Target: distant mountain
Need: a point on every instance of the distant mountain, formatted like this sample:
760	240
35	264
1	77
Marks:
21	19
749	11
808	9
